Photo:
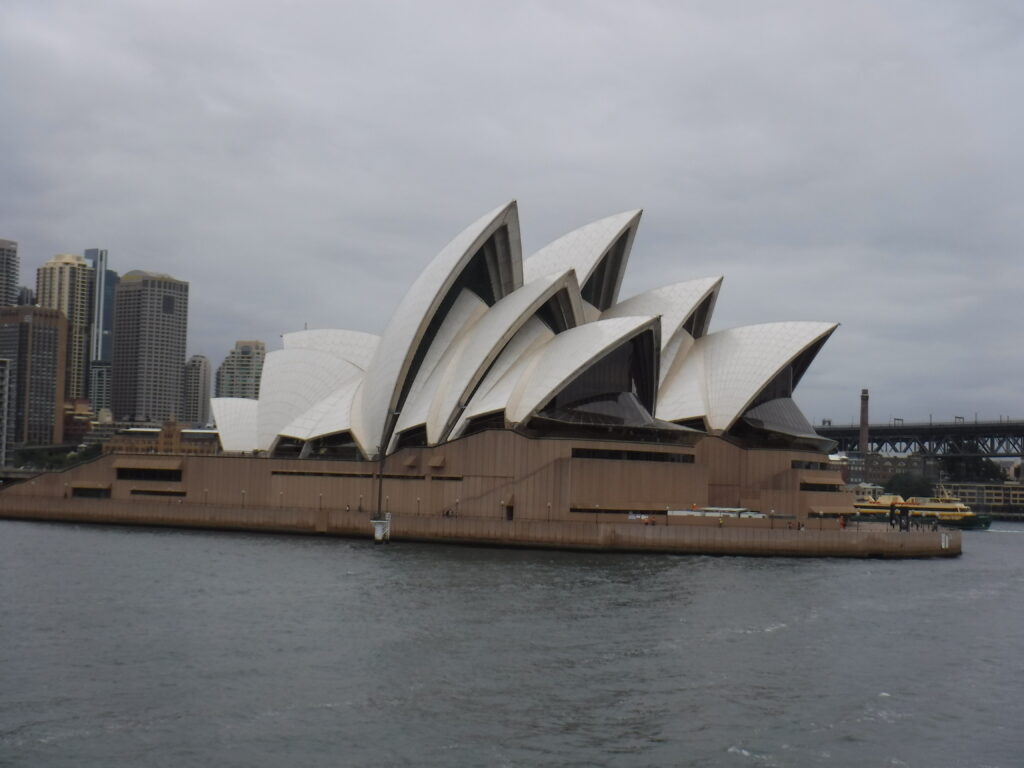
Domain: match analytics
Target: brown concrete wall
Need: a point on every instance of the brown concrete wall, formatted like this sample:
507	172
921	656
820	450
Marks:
733	538
472	479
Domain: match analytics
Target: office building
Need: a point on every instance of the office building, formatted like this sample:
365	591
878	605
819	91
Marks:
195	408
26	297
34	341
150	329
65	283
8	273
6	417
102	309
239	374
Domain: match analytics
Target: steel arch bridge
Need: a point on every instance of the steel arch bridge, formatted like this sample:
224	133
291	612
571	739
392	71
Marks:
991	439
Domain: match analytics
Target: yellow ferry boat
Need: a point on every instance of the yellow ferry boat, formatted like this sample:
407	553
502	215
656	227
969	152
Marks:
945	509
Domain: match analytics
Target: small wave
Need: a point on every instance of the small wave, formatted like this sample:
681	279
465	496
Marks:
756	756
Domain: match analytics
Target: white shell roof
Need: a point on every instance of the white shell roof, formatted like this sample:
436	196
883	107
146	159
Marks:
464	314
580	249
504	358
235	418
458	376
328	416
674	303
726	370
355	346
293	381
496	387
386	375
566	356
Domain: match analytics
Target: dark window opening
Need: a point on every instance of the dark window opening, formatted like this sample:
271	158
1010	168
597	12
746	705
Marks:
697	424
168	305
447	478
823	465
617	390
603	285
623	455
90	493
697	323
483	423
290	473
337	447
820	487
556	313
138	473
509	512
144	492
412	438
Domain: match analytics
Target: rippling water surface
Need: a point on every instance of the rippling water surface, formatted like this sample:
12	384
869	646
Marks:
123	646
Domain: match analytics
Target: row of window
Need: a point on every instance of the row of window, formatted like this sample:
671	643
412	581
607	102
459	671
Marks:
623	455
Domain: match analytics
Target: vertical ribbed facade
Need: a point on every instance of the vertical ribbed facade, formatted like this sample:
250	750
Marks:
8	273
150	330
239	374
65	283
195	407
34	341
102	307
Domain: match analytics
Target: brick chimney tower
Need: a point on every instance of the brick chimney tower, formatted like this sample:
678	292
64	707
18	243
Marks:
862	440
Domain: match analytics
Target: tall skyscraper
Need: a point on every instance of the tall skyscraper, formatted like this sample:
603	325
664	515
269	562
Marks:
102	333
8	273
195	408
6	423
26	296
34	341
239	374
150	330
102	305
65	283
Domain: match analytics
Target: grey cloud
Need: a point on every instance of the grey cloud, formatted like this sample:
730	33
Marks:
299	164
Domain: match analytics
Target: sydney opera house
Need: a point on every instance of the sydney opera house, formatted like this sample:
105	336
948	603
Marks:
509	399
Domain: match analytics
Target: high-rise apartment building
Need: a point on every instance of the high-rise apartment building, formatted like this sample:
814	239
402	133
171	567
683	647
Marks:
102	309
6	438
239	374
34	341
26	296
102	332
150	329
8	273
195	407
65	283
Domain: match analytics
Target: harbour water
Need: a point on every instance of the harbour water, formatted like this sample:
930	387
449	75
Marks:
149	647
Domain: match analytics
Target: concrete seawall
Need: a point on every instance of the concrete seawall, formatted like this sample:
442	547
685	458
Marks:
631	537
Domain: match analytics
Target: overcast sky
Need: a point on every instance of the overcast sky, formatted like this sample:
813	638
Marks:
299	163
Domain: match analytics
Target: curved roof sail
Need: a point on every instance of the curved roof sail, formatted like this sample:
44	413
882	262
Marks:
293	381
598	252
568	354
355	346
726	371
235	418
555	301
486	258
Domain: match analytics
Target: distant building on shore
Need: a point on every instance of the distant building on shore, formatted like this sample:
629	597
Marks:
65	282
8	273
150	330
239	374
34	342
195	409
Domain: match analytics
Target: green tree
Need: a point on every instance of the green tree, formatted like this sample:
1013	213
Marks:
908	484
